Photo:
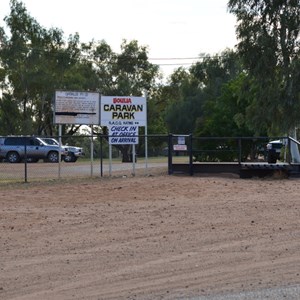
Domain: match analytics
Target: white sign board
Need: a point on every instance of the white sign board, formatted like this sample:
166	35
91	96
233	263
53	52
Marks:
180	147
123	135
181	140
73	107
129	111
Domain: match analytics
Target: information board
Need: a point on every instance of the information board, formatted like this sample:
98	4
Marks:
72	107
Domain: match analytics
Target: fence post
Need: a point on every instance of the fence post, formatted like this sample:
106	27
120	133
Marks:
240	150
191	155
92	150
170	169
25	154
289	151
101	156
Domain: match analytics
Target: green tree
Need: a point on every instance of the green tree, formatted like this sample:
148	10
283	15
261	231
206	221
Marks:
184	102
224	109
35	62
268	34
133	72
14	53
134	75
194	94
225	116
128	73
10	117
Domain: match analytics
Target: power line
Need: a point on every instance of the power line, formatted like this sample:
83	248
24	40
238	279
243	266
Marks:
193	60
179	64
48	52
178	58
162	64
188	58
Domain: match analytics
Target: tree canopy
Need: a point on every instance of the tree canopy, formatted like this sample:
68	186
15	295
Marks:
268	34
250	90
35	62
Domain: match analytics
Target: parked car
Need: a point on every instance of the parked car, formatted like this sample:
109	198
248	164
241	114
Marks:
73	152
17	148
274	150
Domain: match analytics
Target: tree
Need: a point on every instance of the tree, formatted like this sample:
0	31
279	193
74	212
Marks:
225	116
184	104
14	52
10	117
35	62
224	108
194	95
128	73
213	71
134	75
268	34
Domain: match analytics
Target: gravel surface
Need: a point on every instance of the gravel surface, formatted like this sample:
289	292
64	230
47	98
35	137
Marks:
155	237
278	293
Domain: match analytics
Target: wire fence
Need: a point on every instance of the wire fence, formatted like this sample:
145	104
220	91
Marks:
96	158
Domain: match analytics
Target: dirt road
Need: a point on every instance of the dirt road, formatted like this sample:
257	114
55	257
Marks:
154	237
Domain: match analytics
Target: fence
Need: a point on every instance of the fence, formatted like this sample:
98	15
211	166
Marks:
163	151
246	156
99	160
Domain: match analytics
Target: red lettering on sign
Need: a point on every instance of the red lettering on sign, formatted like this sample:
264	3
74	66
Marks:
122	100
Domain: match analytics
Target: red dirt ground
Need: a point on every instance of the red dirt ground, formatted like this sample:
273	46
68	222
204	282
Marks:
154	237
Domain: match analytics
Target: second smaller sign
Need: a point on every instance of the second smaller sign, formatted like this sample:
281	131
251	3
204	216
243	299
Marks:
123	135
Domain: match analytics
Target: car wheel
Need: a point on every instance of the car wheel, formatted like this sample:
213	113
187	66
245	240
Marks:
52	157
13	157
70	157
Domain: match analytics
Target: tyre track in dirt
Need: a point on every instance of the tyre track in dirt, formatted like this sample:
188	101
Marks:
155	237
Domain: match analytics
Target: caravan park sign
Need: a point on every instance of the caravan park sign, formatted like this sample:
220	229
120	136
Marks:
120	111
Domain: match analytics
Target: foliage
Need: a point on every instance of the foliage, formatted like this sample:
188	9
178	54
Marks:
194	95
183	102
224	108
10	117
225	115
35	62
248	92
268	33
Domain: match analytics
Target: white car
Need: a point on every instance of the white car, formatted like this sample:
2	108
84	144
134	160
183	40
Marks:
73	152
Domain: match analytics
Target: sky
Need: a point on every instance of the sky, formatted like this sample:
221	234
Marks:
169	28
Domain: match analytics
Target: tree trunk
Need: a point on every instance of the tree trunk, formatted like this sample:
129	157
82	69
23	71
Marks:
126	155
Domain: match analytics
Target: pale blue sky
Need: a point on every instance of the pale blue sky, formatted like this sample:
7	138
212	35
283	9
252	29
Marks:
170	28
